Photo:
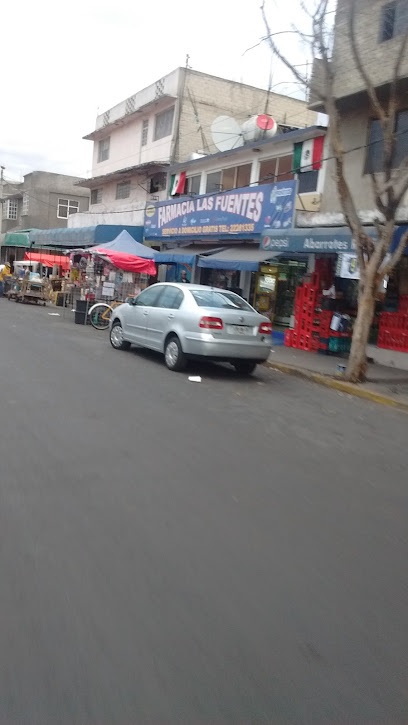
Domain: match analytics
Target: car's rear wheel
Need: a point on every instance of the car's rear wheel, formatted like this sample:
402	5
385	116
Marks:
173	354
116	337
244	367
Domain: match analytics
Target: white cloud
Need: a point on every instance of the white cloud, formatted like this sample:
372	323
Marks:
66	61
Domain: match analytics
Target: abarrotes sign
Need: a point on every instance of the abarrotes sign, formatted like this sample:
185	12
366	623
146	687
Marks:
308	240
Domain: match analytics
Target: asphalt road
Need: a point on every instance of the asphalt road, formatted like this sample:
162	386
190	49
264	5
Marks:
234	551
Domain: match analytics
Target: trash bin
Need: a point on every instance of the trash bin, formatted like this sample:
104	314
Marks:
81	312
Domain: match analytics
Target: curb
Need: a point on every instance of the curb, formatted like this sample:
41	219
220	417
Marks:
339	385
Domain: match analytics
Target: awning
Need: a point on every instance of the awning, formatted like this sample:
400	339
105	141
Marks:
128	262
184	255
124	243
74	237
17	239
49	260
244	257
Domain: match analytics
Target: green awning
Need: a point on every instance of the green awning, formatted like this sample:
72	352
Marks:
17	239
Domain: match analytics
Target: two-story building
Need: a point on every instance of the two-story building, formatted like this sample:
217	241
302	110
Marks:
43	200
184	114
214	225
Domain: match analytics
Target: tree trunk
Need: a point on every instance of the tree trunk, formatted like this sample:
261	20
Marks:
357	364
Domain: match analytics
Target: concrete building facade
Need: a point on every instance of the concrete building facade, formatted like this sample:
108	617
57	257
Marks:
168	122
43	200
379	27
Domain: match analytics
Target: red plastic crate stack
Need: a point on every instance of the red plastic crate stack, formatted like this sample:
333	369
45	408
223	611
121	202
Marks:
393	330
305	335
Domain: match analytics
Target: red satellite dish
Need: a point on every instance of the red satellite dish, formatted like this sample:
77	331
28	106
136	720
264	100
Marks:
264	122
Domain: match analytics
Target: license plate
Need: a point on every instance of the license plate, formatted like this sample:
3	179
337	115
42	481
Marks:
239	330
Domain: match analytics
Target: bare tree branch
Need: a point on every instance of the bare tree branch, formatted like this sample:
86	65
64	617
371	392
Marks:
396	256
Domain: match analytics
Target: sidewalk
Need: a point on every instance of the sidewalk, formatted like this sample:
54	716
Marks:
385	385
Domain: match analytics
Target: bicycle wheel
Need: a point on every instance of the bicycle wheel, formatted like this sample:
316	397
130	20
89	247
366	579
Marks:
99	316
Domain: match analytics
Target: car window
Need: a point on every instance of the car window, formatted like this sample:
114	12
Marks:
220	299
148	297
171	298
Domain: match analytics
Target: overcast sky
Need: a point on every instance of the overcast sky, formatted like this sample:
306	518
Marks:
65	62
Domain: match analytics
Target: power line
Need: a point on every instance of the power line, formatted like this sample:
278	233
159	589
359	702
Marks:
254	183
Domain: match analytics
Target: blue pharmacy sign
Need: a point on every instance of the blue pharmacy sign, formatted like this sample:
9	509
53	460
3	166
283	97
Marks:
241	212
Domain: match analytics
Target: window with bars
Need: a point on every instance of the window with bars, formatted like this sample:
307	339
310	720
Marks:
103	149
394	19
164	124
123	190
96	196
145	131
66	207
26	204
10	209
375	150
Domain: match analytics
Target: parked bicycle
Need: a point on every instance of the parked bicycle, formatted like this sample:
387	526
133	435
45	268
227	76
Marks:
101	312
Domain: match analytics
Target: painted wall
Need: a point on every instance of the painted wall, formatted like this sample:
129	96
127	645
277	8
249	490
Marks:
118	211
126	144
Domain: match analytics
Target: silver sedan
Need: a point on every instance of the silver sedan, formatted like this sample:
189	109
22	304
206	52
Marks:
185	321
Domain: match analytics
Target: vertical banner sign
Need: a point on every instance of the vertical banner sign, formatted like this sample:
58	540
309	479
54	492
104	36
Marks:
246	211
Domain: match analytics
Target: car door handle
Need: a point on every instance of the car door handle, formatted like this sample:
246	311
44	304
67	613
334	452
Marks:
145	313
171	317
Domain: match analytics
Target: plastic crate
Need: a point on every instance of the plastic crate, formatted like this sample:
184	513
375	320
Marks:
288	338
339	344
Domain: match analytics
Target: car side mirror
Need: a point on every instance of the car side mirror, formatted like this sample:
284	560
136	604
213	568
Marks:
132	301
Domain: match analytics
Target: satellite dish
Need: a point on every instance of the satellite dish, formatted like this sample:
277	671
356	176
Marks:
259	127
226	133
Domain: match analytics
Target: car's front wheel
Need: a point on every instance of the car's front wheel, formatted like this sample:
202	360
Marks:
245	367
116	337
173	354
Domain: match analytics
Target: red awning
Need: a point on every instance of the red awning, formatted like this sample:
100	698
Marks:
48	260
127	262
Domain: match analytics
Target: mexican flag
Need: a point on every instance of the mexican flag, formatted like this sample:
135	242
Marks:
178	183
308	155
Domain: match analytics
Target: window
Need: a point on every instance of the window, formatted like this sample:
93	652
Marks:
375	151
213	182
148	297
103	149
243	176
307	181
193	184
66	207
284	170
280	169
401	145
26	204
164	124
228	178
10	209
171	298
394	19
145	131
220	300
267	171
123	190
158	182
96	196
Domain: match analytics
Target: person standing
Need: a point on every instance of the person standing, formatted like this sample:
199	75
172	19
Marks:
183	277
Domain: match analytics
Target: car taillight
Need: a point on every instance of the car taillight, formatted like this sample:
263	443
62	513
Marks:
265	328
211	323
